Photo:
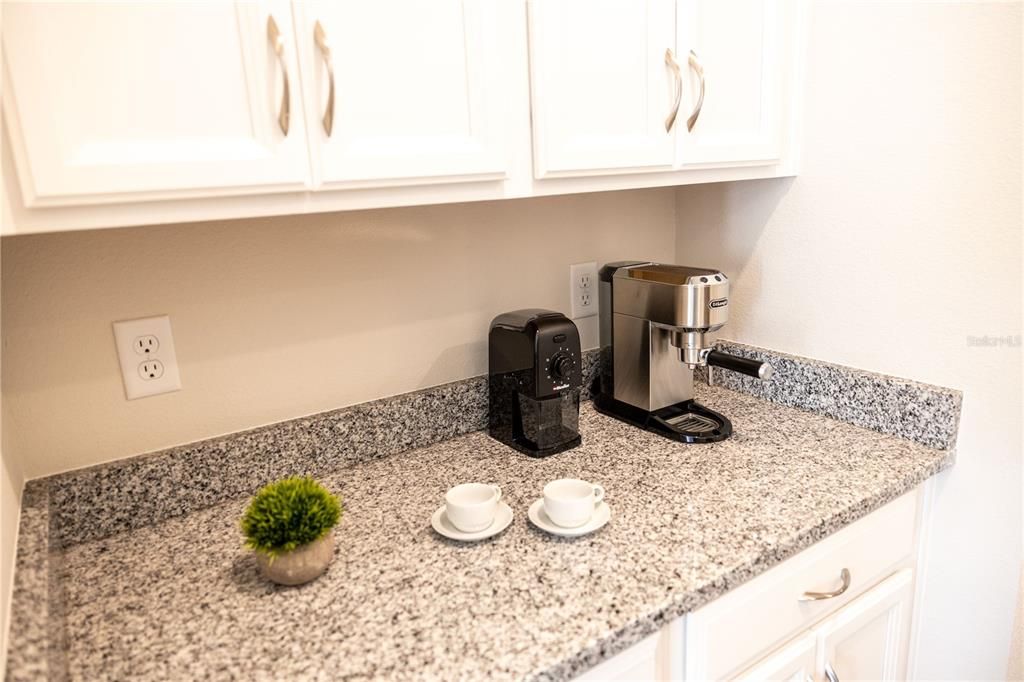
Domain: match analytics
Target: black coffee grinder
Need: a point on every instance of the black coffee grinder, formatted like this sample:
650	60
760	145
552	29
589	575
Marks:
535	379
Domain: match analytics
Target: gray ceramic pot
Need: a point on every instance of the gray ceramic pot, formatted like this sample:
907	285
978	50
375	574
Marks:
300	565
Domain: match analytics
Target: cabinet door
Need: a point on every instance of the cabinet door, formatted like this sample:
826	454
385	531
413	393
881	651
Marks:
737	53
417	90
868	639
794	662
601	88
658	658
115	102
767	611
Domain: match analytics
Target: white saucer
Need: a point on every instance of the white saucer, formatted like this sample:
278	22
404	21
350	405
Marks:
502	518
539	518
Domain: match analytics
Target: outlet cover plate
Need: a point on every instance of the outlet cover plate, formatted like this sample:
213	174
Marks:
583	289
143	341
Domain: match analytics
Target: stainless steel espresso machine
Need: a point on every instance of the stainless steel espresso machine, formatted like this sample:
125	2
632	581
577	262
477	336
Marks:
655	320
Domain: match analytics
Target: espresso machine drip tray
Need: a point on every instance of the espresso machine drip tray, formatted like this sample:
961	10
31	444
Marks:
689	421
694	423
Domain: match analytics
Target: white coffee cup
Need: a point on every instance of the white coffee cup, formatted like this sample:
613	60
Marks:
471	506
570	502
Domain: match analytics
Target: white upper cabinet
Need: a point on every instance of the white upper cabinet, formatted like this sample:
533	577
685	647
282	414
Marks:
162	111
734	52
602	90
417	91
621	86
123	102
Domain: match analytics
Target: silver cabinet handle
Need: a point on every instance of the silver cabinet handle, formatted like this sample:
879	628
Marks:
830	673
699	70
325	51
671	62
818	596
277	42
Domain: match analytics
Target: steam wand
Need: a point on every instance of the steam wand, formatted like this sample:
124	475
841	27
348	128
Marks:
752	368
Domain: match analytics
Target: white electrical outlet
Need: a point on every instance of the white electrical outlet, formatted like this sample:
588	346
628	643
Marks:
151	369
583	289
145	350
146	345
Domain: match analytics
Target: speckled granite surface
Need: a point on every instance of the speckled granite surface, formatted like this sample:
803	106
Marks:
111	498
921	412
131	531
104	500
28	655
182	599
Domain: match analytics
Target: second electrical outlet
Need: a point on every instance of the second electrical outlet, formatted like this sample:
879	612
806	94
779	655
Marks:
583	289
145	350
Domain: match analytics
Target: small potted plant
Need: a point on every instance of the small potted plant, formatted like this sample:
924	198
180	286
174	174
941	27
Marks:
289	524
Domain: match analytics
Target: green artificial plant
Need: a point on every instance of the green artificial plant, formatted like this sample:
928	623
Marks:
289	513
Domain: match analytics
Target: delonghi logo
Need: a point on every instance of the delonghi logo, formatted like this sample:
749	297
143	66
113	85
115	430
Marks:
719	303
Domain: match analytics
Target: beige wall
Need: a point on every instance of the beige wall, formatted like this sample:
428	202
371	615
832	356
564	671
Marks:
10	502
10	496
10	505
277	318
1015	670
900	238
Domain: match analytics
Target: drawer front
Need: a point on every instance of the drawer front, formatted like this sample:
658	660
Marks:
733	630
797	661
639	662
654	659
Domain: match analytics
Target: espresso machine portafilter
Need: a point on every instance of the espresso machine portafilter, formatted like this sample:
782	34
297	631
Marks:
655	325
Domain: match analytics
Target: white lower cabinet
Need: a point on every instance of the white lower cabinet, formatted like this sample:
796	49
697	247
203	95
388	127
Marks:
865	640
868	640
795	662
658	658
839	610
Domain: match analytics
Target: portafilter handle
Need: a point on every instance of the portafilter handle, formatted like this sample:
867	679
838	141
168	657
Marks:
753	368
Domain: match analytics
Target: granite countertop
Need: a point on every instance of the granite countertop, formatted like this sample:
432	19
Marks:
182	599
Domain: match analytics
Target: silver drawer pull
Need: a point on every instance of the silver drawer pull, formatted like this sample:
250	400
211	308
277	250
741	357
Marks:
699	70
818	596
277	43
830	673
670	62
320	36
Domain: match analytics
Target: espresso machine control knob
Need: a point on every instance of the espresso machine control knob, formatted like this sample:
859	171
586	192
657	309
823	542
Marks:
561	366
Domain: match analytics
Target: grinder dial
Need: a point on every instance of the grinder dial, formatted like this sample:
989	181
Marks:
561	365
